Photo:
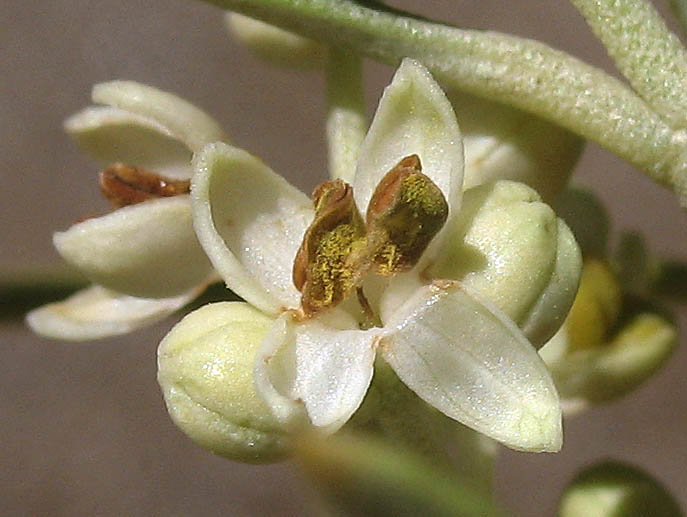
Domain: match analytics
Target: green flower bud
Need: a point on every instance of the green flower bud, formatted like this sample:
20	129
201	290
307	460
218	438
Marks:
205	370
613	489
513	249
275	45
505	143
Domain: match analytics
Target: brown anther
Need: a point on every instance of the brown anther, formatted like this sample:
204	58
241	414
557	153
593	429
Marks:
322	270
126	185
406	211
390	185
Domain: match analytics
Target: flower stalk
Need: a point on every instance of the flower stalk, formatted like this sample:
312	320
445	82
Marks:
346	120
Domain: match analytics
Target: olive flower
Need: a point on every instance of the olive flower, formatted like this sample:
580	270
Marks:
144	256
451	346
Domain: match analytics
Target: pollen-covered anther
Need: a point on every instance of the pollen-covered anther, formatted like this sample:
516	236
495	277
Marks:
324	270
125	185
406	211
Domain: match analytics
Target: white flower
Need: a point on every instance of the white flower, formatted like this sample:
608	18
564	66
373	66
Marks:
455	349
144	258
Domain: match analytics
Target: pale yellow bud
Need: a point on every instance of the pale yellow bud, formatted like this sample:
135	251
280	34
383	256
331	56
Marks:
275	45
596	308
513	249
591	359
205	369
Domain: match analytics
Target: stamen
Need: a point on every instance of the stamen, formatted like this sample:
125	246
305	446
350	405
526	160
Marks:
322	270
126	185
338	250
406	211
371	319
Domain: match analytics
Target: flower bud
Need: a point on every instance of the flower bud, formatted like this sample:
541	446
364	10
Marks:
512	248
596	307
205	370
590	358
611	489
275	45
505	143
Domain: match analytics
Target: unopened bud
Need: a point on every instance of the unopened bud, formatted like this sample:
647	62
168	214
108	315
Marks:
596	307
512	248
205	370
592	358
275	45
502	142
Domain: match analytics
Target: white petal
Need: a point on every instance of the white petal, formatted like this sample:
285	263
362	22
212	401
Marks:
148	250
275	373
464	357
311	365
250	222
414	116
183	120
95	313
114	135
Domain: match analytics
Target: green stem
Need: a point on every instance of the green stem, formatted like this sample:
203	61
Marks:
644	50
346	121
23	289
516	71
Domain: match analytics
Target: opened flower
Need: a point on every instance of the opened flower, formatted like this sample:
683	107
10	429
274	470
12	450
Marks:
456	350
144	256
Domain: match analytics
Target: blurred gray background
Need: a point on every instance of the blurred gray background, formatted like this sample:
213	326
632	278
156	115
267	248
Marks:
83	429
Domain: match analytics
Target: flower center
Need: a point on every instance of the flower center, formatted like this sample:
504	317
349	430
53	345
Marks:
406	211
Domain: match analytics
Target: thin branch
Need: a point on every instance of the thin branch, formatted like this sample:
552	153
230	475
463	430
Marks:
516	71
645	51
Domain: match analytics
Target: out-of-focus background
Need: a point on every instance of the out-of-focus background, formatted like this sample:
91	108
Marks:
83	429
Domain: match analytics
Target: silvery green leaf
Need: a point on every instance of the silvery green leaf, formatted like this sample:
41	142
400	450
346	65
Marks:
363	476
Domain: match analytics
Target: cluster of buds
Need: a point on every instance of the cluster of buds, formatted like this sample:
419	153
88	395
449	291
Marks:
461	271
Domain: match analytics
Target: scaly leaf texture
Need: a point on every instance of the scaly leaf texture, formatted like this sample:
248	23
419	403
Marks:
645	51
